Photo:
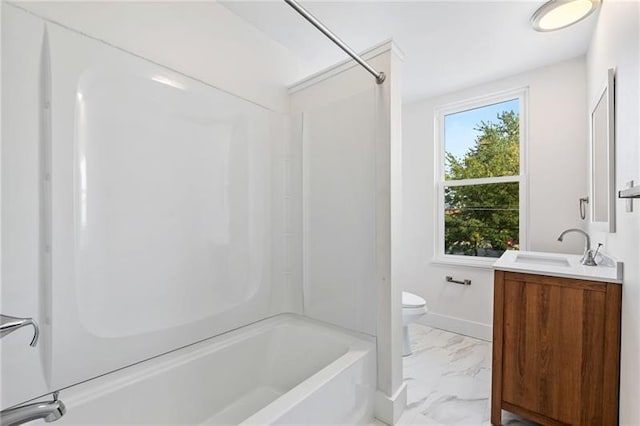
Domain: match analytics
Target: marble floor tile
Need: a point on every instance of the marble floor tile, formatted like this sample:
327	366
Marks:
448	380
376	422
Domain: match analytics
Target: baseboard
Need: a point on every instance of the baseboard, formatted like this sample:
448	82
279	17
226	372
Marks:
388	409
458	325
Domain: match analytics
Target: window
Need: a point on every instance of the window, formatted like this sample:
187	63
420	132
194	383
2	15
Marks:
481	180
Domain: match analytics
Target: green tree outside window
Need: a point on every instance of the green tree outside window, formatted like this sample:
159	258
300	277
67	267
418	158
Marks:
483	219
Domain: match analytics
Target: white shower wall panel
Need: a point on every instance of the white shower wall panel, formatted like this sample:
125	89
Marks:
162	193
339	212
21	368
154	199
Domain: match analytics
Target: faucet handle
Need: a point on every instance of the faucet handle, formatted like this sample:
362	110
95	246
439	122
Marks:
589	258
597	250
9	324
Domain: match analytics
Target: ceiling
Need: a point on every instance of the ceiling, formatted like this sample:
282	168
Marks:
448	45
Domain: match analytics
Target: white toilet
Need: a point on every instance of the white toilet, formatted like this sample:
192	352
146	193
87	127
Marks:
413	307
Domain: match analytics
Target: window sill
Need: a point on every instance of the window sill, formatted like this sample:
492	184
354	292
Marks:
466	261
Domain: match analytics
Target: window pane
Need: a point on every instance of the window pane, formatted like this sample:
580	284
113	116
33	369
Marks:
481	220
483	142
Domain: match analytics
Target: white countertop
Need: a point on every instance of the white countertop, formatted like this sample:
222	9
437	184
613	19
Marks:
560	265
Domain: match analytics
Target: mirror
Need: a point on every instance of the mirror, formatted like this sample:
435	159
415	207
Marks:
603	159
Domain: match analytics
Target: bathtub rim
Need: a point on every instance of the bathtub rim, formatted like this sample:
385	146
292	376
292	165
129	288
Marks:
90	389
296	395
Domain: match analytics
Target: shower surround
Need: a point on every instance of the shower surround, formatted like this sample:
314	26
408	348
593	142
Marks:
156	226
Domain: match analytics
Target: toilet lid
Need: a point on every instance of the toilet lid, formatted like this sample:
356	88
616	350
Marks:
410	300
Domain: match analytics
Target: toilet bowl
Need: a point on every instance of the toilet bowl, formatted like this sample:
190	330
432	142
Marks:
413	307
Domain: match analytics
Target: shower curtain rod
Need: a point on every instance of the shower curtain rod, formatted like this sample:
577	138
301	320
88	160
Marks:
380	76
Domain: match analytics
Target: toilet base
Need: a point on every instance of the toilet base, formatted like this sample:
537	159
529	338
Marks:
413	307
406	343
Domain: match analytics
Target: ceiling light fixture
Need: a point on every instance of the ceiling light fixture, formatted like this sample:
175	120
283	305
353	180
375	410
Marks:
558	14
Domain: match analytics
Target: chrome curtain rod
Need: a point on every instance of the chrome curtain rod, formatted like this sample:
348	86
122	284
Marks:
334	38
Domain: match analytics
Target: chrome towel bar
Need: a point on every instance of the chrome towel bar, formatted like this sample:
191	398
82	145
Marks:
463	282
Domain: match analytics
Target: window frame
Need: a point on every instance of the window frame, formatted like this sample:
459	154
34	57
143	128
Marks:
522	94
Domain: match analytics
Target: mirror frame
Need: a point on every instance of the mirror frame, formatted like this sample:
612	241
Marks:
607	95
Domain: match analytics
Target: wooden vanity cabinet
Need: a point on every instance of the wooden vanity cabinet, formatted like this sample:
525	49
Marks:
556	349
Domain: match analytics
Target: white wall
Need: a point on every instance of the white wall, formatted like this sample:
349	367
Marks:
616	44
557	136
201	39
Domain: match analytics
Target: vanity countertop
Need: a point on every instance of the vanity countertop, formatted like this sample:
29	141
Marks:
560	265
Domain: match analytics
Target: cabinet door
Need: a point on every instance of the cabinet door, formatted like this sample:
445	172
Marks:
554	347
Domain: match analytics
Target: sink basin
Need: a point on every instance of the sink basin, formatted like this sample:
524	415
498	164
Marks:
535	259
560	265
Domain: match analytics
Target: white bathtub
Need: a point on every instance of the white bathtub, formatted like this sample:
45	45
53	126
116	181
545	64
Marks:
282	370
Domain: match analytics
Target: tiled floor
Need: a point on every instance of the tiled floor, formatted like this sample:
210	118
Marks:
448	380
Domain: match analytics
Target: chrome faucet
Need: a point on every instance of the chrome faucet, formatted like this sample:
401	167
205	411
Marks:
49	411
9	324
588	258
